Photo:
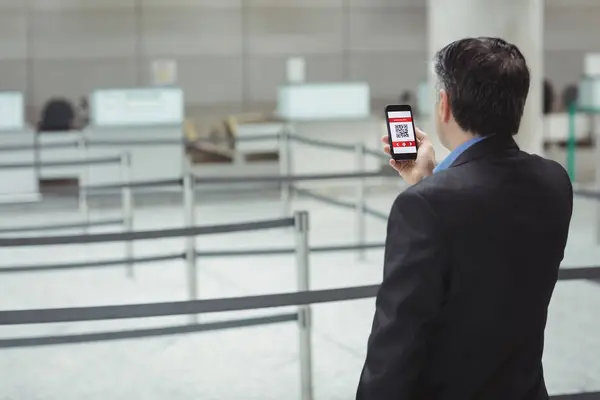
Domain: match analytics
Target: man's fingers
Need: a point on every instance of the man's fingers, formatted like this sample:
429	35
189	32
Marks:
400	166
385	139
387	149
420	134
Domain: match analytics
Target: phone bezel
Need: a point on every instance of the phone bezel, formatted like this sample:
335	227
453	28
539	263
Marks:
401	107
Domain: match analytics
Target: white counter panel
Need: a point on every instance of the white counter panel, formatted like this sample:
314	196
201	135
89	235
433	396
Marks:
17	185
324	101
148	161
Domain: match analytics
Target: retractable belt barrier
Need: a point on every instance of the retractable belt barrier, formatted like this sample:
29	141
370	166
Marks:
144	235
325	199
79	314
119	143
321	143
68	225
65	163
48	146
377	154
109	263
145	333
302	298
90	264
286	178
587	193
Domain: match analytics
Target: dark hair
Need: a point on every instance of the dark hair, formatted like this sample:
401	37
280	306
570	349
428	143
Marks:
487	81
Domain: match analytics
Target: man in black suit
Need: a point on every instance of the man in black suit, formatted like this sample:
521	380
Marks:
473	247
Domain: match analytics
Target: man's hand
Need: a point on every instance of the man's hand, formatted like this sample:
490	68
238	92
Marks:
413	171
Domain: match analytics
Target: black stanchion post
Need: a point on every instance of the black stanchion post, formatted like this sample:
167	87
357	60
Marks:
84	207
285	169
190	244
127	209
304	312
597	178
360	220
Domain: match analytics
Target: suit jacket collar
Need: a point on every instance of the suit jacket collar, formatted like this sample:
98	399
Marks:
492	144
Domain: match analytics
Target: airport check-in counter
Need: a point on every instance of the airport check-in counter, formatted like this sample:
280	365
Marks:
16	147
146	124
333	112
58	147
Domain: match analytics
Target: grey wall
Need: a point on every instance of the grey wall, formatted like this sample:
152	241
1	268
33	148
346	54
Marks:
231	52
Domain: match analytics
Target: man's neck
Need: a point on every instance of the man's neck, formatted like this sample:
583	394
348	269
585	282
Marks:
460	139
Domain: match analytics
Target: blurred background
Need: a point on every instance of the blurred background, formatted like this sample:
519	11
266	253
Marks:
119	116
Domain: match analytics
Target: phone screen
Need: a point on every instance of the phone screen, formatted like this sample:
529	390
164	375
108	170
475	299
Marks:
402	132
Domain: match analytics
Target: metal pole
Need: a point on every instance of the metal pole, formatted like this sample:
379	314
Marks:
304	312
84	180
571	145
190	244
285	170
360	218
127	209
597	154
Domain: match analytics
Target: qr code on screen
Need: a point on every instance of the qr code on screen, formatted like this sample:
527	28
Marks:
401	131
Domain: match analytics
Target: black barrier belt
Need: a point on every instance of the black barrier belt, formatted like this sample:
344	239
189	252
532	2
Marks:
89	264
565	274
340	203
322	143
221	179
236	139
286	178
168	257
147	142
139	184
115	143
375	213
94	189
569	274
377	153
324	199
68	163
590	194
146	333
175	142
242	253
345	247
288	250
30	147
43	316
144	235
254	138
577	396
106	222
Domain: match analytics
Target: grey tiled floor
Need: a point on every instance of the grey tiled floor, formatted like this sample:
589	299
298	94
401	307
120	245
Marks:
249	363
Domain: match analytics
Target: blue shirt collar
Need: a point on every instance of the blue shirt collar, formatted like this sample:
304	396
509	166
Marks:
454	154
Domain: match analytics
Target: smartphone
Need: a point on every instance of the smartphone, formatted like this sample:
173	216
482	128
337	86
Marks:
401	132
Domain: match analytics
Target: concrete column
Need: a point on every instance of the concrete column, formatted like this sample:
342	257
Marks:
517	21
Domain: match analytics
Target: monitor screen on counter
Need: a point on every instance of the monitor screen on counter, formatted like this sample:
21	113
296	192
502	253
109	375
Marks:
137	107
12	111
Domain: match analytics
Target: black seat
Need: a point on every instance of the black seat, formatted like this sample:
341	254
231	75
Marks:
58	115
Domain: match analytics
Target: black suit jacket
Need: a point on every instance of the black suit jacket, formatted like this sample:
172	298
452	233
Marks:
471	260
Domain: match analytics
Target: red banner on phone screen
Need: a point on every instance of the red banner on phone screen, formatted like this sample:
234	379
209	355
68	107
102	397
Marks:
405	119
404	144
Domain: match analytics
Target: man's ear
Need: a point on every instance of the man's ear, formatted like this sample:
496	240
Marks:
444	106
